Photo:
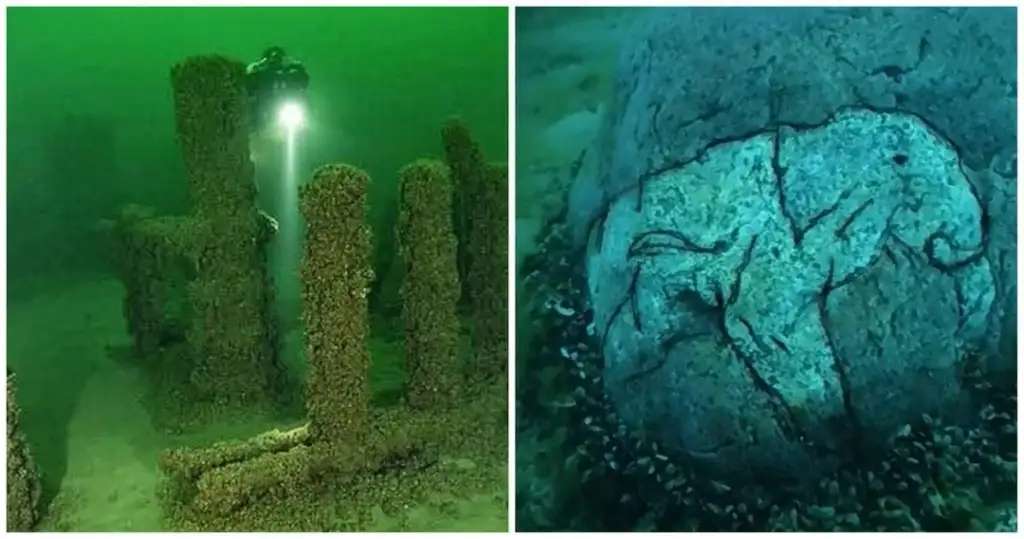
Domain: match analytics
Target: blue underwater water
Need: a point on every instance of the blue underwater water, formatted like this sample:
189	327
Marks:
776	287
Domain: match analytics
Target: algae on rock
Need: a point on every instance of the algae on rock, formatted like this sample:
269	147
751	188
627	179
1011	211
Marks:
23	485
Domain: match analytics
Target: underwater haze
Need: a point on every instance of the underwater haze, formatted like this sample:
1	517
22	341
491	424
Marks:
91	125
92	130
767	276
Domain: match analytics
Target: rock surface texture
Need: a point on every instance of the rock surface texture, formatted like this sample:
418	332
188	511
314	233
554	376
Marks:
798	222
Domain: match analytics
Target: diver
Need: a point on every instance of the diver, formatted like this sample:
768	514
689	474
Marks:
275	82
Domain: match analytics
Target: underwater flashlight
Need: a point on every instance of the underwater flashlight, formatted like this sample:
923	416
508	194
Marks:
291	115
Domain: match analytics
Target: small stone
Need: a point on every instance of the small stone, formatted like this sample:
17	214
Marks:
720	487
893	513
675	483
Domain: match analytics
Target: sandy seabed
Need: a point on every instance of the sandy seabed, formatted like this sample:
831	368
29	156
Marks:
94	440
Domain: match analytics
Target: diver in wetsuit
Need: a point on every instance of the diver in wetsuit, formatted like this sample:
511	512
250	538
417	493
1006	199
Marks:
271	81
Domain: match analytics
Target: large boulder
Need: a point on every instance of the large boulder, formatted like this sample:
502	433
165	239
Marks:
798	222
695	76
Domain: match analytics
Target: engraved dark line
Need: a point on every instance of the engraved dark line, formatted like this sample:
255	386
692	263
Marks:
783	413
634	302
619	307
929	252
879	252
778	342
890	255
800	234
753	335
960	310
779	173
841	231
837	364
736	285
646	372
641	247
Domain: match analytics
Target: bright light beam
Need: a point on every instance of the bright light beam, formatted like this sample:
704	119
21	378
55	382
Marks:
289	235
291	116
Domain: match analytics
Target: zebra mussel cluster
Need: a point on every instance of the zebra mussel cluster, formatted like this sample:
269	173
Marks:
934	477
